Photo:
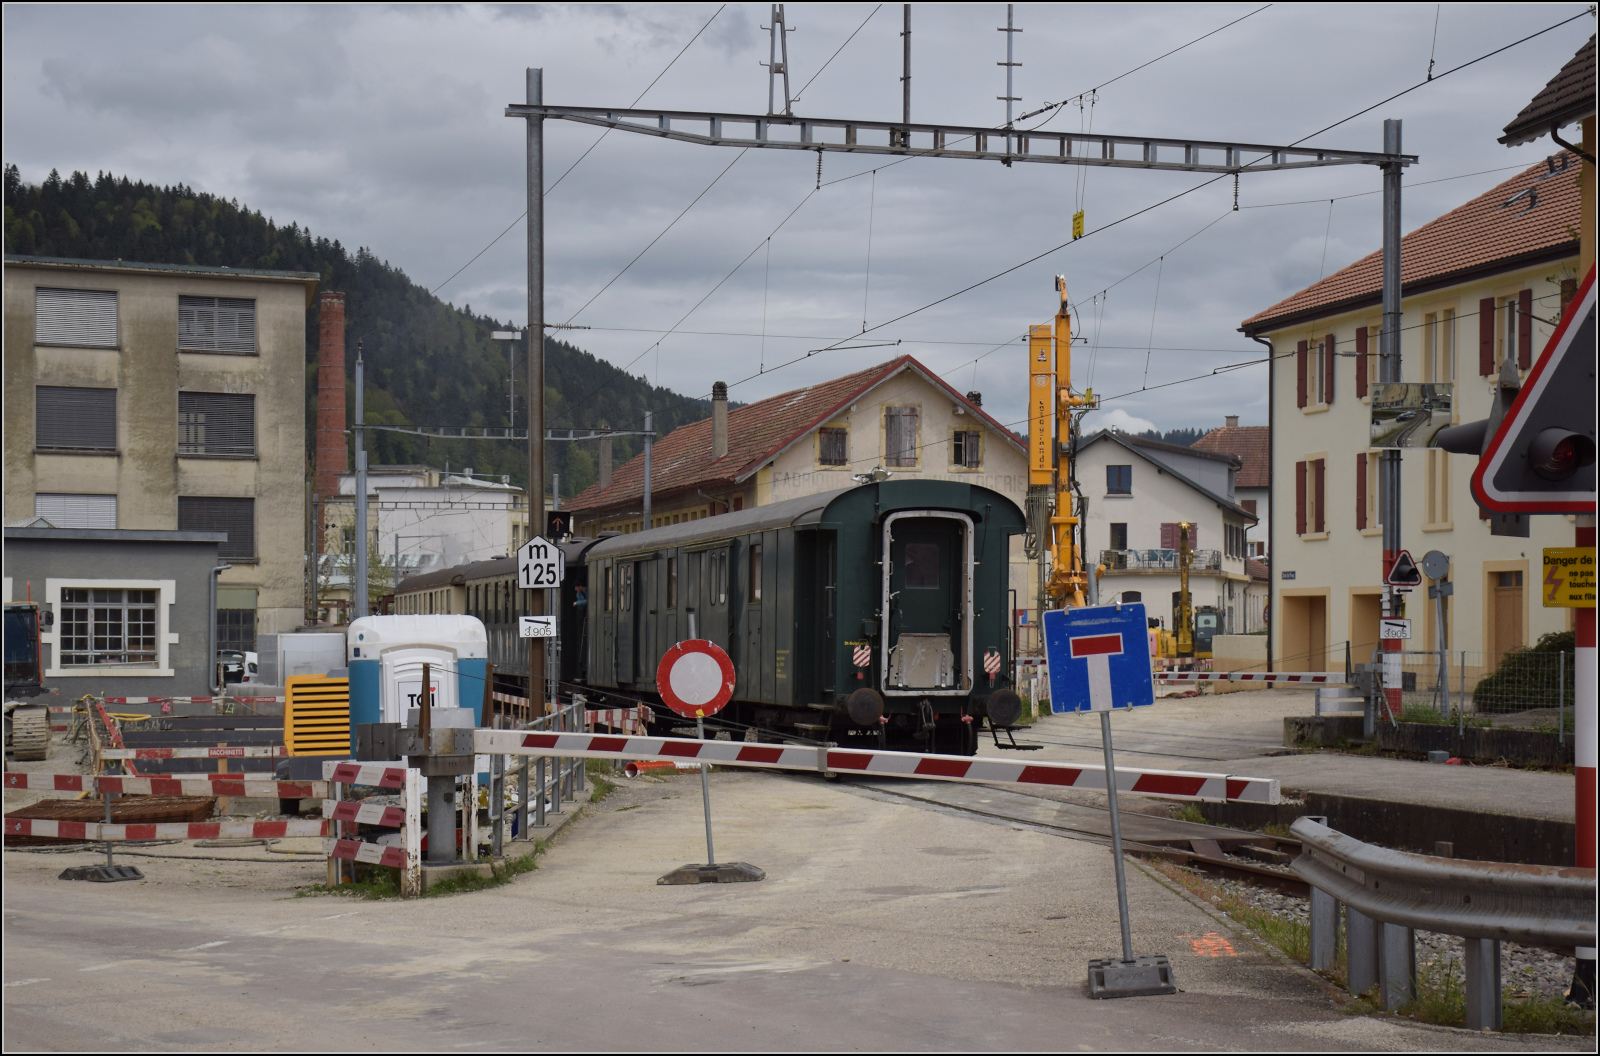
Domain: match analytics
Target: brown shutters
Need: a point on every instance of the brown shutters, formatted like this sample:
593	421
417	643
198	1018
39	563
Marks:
1361	361
1300	498
1361	489
1300	374
1486	336
1169	536
1327	371
1525	329
1319	492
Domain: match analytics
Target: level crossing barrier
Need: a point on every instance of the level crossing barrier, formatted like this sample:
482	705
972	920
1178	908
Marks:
1287	678
343	814
1388	894
1174	784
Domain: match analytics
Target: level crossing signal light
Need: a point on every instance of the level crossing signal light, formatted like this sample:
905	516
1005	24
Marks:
1536	450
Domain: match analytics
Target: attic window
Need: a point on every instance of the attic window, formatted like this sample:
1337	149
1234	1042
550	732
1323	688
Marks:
833	446
966	449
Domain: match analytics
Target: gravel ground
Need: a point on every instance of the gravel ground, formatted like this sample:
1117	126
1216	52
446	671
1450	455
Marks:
1525	971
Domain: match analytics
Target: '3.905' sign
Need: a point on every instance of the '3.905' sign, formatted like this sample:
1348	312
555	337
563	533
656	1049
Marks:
540	564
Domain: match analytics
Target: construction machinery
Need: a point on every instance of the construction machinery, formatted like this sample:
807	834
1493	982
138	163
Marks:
1056	504
27	723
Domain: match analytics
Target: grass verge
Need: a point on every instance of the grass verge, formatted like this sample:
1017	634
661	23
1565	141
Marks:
377	882
1441	991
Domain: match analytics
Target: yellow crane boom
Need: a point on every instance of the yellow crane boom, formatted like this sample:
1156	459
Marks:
1052	410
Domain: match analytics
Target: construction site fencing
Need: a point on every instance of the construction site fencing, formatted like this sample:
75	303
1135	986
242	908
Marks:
345	817
1464	686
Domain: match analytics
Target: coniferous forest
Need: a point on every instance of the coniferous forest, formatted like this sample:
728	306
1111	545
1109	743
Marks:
427	362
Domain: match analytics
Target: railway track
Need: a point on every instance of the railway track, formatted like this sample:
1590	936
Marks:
1232	854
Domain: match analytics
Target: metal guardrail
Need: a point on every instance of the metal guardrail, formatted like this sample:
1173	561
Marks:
542	783
1388	894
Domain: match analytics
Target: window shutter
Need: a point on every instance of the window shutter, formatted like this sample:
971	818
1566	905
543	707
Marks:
217	324
1361	489
1300	374
900	435
1300	498
1169	536
1249	506
71	419
1318	470
237	517
1327	370
1361	361
1486	336
1525	329
77	511
216	423
82	318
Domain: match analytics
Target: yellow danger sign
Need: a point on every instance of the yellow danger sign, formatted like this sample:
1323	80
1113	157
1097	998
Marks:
1569	577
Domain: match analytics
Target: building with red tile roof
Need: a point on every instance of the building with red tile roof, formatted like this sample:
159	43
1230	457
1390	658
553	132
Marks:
1252	446
1484	282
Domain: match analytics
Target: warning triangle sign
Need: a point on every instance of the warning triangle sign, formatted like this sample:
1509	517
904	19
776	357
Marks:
1404	572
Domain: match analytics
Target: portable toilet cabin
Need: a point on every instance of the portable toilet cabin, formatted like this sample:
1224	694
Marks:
386	654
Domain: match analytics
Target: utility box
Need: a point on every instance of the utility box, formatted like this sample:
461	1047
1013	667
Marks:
386	655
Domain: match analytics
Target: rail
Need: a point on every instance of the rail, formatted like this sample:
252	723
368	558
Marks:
1388	894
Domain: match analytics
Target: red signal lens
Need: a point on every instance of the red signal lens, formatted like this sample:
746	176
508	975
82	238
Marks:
1557	454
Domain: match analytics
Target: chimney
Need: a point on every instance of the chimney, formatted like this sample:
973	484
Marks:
605	458
975	398
719	420
1231	421
332	447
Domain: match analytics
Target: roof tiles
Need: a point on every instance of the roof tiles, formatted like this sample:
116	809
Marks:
1567	98
1469	238
1247	443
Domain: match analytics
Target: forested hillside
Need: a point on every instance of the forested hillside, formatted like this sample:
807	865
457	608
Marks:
428	362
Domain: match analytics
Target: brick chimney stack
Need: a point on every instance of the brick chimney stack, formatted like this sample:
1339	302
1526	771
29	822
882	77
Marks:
332	448
719	419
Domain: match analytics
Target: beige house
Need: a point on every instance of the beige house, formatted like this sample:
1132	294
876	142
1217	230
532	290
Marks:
165	397
898	416
1484	281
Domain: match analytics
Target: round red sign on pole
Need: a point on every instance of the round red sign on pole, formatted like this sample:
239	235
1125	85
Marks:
695	678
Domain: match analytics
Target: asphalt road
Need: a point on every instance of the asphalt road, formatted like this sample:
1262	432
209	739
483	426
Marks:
881	925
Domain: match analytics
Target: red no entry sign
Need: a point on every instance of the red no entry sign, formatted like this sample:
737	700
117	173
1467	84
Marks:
695	678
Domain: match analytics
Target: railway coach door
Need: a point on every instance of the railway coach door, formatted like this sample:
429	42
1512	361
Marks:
927	601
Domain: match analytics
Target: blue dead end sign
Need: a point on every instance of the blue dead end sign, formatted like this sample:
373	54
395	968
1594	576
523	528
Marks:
1099	658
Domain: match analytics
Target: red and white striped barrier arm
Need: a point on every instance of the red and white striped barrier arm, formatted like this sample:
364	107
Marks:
635	720
190	700
381	775
243	751
369	853
61	709
1175	784
99	832
183	785
353	810
1306	678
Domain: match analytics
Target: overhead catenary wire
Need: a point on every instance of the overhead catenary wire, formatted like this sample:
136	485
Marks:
1170	198
523	215
836	51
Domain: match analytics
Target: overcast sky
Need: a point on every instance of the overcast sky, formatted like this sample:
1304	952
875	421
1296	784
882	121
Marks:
383	127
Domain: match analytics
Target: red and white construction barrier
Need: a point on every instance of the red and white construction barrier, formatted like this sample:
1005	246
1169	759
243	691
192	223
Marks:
244	751
635	720
183	785
407	817
99	832
1302	678
378	775
1175	784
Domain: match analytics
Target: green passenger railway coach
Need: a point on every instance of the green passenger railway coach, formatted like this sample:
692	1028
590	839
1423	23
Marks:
874	612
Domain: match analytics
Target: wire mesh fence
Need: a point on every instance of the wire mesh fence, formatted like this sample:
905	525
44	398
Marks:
1484	684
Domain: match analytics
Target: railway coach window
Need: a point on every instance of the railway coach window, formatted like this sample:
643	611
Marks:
755	573
607	591
719	577
922	566
626	601
672	582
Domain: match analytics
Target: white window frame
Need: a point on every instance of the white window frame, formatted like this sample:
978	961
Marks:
166	597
